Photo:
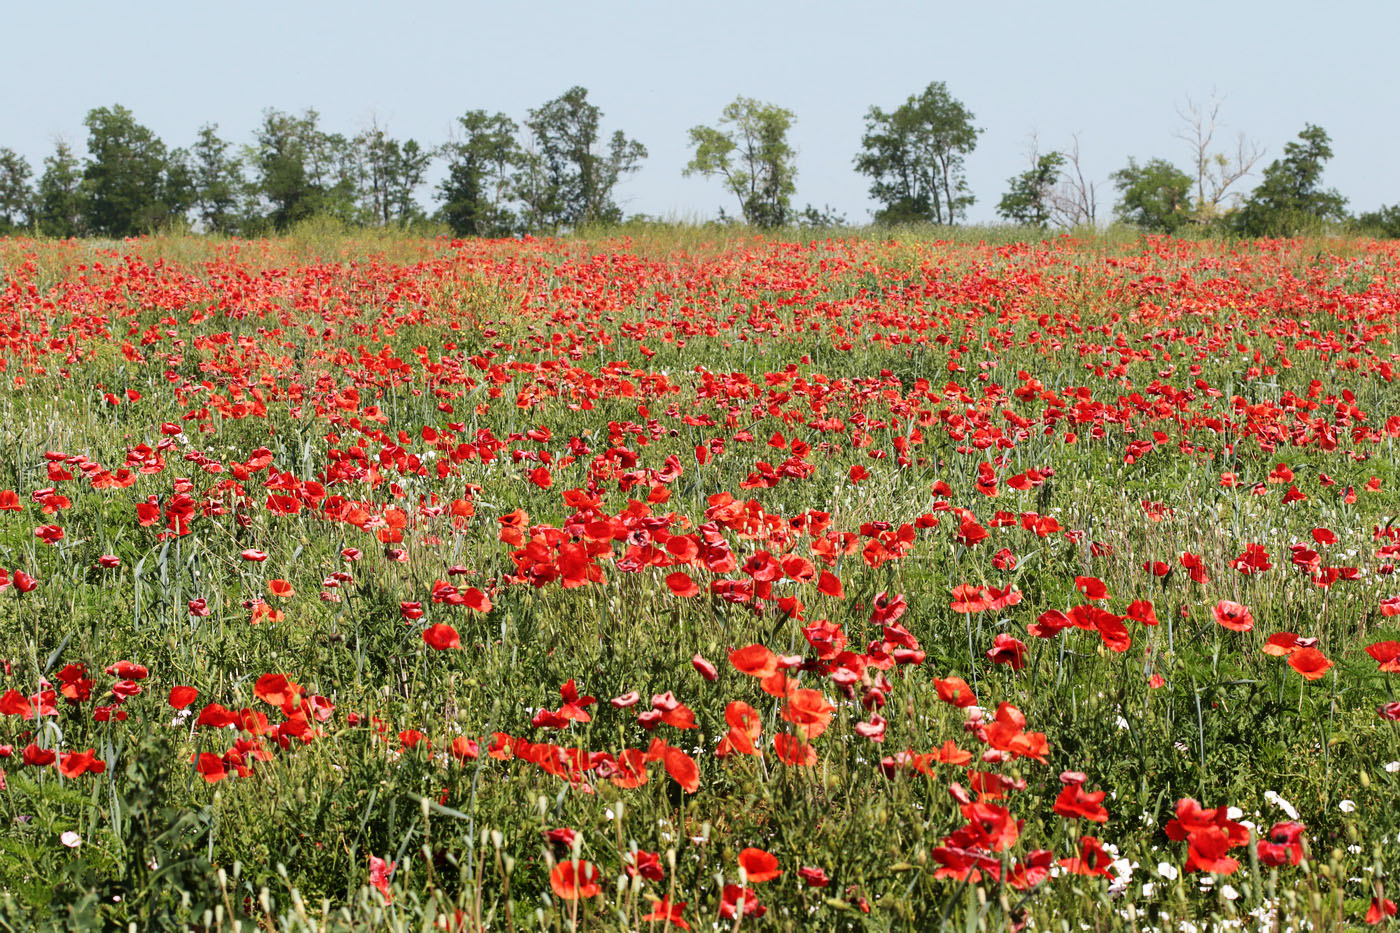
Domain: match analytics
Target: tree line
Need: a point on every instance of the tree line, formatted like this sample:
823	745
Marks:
557	171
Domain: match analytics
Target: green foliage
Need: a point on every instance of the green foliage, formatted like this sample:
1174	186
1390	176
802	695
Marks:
1027	199
59	209
1155	196
217	179
390	172
750	150
302	171
915	155
128	184
1290	199
565	180
1385	221
16	198
479	165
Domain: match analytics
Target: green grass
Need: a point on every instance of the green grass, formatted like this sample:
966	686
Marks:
288	847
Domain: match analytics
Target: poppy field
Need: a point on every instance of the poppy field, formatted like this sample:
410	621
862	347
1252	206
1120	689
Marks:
599	584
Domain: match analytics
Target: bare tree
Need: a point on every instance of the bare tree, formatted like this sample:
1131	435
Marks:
1216	172
1074	200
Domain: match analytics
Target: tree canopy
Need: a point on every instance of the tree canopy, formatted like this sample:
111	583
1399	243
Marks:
750	151
915	155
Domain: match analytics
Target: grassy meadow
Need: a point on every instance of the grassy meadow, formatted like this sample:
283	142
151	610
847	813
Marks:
699	580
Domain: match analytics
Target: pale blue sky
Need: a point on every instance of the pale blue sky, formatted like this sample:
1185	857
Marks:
1114	72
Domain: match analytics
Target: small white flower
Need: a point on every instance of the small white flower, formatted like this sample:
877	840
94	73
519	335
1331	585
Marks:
1347	806
71	839
1288	808
1229	893
1234	813
1167	870
1392	766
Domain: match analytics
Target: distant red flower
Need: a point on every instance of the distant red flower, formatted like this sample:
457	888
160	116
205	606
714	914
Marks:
1380	909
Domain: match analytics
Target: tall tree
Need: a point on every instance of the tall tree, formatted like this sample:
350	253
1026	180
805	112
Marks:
1384	221
567	179
474	193
1074	201
1290	198
1216	172
749	149
1155	196
126	189
16	197
58	199
217	175
301	171
915	155
391	172
1028	196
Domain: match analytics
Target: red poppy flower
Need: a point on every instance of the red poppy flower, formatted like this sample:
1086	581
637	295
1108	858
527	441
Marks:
574	879
739	902
180	697
667	912
1008	650
441	637
682	585
1233	616
758	865
1074	801
956	691
1309	662
755	660
793	751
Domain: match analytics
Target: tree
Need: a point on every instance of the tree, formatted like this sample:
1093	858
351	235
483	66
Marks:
126	189
302	172
16	198
217	177
391	172
59	197
474	193
914	156
564	180
1384	222
1027	199
1290	199
1074	201
750	150
1155	196
1216	173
